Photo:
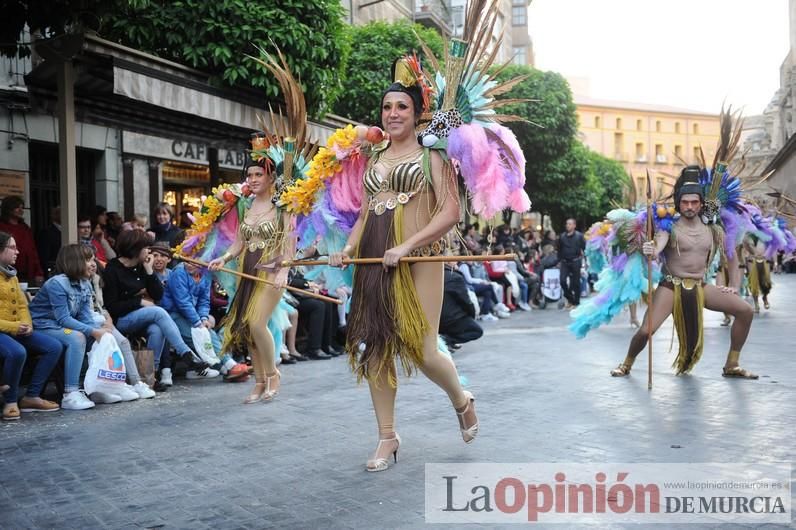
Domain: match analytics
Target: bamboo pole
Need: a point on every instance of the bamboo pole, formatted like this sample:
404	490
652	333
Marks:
407	259
290	288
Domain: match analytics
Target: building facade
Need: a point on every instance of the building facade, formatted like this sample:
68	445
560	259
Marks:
647	137
447	17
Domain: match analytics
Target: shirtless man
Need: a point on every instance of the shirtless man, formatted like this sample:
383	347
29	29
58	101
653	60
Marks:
682	291
759	273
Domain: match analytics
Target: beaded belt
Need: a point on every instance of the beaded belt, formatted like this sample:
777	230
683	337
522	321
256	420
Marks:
687	283
379	207
436	248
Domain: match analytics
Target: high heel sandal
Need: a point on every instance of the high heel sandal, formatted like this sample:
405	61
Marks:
269	394
382	464
468	433
256	396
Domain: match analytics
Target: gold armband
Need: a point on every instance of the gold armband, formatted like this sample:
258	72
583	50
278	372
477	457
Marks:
227	256
347	250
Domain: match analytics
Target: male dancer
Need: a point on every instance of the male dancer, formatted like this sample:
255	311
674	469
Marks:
686	253
758	271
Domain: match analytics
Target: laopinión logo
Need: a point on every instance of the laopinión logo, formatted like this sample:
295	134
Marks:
591	493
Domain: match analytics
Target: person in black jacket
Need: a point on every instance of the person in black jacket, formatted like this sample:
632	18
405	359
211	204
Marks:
571	245
164	227
457	323
131	291
320	318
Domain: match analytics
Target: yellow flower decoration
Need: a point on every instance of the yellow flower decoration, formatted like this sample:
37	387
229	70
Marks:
300	197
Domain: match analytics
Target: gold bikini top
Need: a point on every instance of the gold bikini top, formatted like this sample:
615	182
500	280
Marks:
266	236
404	180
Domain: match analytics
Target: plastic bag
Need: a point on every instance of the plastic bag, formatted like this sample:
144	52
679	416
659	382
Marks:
203	345
106	371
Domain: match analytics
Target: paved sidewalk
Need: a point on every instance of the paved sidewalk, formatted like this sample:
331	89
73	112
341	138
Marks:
196	458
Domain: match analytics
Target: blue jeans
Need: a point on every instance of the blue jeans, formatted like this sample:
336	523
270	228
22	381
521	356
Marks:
185	332
75	343
159	328
12	350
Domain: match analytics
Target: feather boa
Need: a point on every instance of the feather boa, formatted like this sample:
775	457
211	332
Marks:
620	284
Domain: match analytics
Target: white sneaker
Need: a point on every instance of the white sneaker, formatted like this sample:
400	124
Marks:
76	400
127	393
284	350
204	373
489	318
524	306
165	377
278	360
503	314
502	307
104	397
143	390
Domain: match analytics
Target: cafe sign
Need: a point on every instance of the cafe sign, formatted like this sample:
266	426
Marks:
178	150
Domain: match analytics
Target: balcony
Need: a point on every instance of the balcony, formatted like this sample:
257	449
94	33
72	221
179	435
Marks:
641	159
435	14
660	159
621	157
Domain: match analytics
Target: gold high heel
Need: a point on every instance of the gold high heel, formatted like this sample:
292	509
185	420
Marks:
468	433
269	394
382	464
255	396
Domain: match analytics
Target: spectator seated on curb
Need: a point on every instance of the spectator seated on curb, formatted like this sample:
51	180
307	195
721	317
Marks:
161	258
62	310
130	290
103	318
187	299
16	336
318	317
457	323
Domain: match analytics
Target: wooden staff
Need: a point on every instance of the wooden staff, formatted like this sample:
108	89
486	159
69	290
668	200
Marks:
407	259
650	237
290	288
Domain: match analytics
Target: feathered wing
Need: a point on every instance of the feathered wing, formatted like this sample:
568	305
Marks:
466	127
327	202
624	279
214	230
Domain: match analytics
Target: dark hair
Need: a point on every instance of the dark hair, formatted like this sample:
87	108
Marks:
414	92
130	243
4	239
85	217
10	203
71	260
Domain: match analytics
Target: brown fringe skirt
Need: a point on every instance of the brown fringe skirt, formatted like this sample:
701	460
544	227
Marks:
386	322
243	309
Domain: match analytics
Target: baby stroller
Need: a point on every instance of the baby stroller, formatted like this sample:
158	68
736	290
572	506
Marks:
551	287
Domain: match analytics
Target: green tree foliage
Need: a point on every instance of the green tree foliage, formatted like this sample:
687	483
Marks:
212	36
215	36
550	112
563	178
374	47
52	17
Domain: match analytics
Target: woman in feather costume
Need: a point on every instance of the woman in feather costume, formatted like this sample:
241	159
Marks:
264	238
411	200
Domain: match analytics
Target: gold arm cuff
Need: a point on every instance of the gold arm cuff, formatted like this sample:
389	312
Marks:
227	257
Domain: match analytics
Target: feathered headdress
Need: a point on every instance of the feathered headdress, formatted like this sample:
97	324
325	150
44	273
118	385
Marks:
286	147
466	125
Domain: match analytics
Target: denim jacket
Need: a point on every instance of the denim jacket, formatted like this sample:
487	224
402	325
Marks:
63	303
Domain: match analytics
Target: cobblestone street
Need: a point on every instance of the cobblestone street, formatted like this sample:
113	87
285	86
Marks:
195	457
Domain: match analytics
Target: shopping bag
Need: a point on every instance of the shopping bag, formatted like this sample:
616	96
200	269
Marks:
106	372
203	345
145	362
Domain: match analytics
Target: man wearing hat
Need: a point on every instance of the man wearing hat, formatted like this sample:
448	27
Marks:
685	254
